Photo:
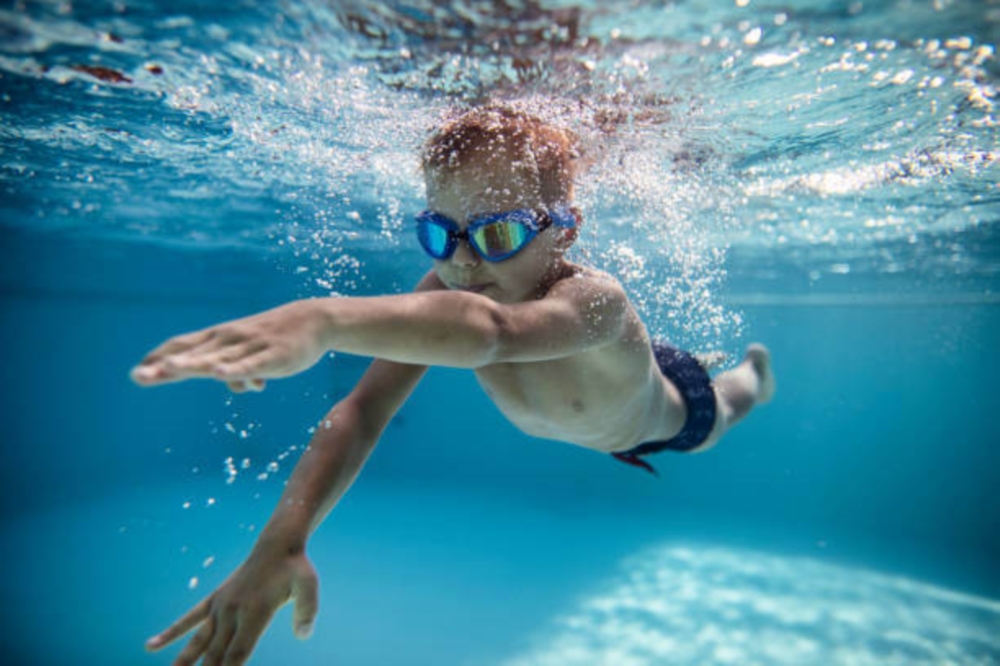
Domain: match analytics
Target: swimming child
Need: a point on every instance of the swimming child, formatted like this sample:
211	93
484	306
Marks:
557	346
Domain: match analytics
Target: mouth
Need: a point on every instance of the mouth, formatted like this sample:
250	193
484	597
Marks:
473	288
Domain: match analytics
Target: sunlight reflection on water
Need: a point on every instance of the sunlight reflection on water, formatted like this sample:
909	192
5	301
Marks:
849	140
695	605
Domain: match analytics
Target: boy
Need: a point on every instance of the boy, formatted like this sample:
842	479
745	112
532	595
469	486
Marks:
557	346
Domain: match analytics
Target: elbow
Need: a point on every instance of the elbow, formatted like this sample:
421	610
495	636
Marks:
493	329
477	336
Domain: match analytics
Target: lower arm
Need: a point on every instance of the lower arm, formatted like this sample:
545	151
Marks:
446	328
335	455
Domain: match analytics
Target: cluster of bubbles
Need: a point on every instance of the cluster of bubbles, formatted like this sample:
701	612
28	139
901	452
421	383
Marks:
232	467
919	121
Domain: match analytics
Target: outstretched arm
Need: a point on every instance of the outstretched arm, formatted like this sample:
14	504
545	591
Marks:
430	327
230	621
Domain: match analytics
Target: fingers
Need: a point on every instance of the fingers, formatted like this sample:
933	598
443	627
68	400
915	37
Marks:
152	368
246	358
209	359
306	591
178	344
158	367
243	385
249	630
193	617
197	645
263	363
225	627
202	360
152	375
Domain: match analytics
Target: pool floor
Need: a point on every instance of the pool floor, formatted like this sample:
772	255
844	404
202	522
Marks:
458	578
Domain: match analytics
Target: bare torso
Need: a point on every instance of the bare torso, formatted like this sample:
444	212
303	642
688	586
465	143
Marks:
608	398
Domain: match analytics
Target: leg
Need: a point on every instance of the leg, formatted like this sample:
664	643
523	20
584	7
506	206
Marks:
738	390
748	384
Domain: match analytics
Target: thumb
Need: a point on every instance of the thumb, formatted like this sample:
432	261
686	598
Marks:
306	590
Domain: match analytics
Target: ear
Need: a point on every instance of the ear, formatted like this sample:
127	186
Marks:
568	236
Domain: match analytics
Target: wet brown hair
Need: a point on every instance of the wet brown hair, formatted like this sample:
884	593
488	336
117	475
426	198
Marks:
548	154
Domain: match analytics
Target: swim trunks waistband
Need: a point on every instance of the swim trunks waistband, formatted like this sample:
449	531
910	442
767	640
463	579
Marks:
695	387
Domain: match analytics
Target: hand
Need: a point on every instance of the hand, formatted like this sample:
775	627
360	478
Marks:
243	353
234	617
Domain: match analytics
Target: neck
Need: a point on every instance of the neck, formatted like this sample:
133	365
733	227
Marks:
560	270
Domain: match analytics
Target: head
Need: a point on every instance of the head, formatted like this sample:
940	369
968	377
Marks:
494	160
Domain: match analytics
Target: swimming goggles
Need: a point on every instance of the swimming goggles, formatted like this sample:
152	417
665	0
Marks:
494	236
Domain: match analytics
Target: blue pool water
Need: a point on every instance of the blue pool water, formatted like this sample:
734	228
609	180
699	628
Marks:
819	176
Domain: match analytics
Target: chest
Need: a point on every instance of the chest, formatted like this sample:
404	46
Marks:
540	396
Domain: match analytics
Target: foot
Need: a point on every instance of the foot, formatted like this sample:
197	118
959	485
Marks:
711	360
760	360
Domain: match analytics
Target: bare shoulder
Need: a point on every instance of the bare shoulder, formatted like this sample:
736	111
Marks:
589	282
587	274
595	295
599	304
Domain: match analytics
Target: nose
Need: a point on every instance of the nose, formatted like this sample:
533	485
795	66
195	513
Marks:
465	256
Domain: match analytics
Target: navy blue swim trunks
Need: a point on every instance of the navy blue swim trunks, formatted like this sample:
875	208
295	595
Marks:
695	387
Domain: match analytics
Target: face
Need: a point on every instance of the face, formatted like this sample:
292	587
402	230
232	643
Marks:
488	188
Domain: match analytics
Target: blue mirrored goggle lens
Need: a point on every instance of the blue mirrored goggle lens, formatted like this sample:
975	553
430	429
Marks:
500	239
435	238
